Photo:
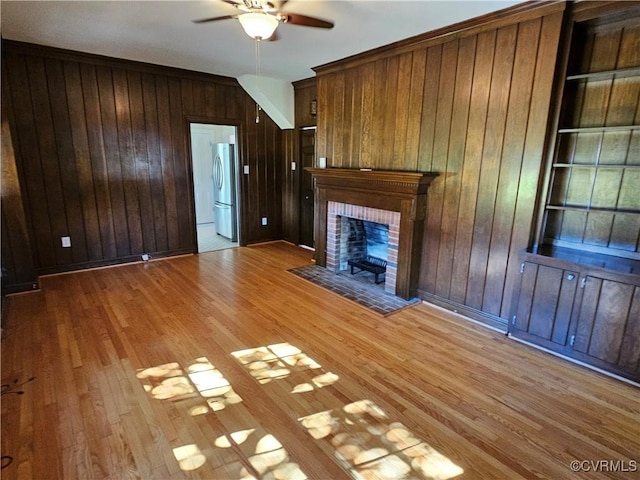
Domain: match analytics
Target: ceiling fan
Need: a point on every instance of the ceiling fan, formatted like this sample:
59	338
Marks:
260	18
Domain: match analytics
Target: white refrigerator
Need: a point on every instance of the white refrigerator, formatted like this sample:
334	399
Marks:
224	194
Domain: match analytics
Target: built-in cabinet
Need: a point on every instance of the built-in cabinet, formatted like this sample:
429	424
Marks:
579	293
584	312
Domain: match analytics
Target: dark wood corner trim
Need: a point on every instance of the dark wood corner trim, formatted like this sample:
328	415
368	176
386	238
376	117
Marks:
304	83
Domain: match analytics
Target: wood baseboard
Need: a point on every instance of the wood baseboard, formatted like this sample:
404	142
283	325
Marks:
497	323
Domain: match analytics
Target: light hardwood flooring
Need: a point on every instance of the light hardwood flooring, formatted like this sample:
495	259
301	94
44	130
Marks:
224	365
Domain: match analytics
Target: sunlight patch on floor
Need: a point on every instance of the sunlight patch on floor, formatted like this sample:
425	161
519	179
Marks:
172	382
365	441
370	446
274	361
201	383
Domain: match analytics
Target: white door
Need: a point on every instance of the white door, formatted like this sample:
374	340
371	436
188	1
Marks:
201	140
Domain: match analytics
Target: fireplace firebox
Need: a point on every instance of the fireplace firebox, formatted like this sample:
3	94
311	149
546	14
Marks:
365	246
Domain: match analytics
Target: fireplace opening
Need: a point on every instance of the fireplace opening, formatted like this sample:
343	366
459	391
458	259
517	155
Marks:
364	248
388	234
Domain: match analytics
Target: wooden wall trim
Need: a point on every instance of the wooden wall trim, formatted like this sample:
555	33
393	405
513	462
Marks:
507	16
304	83
24	48
583	10
492	321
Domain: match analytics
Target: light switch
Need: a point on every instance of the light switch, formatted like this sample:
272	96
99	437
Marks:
246	169
66	241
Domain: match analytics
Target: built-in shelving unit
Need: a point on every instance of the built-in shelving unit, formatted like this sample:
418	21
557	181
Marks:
593	199
580	286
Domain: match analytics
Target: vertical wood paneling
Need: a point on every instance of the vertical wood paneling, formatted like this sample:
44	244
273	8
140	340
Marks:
140	160
82	164
429	109
402	102
389	113
490	168
102	153
515	134
377	128
472	107
336	104
155	165
113	180
474	145
534	138
38	222
47	154
439	148
127	158
352	112
367	131
455	159
64	146
98	160
167	89
414	123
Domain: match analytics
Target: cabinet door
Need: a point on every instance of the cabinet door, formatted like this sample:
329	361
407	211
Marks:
608	327
546	302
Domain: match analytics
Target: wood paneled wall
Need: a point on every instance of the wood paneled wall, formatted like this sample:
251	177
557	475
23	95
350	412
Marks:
472	105
103	155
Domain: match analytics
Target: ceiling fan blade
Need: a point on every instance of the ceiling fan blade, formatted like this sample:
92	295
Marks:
297	19
214	19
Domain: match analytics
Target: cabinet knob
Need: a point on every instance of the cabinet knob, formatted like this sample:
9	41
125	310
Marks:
571	276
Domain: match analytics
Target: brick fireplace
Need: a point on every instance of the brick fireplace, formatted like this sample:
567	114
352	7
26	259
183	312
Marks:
394	198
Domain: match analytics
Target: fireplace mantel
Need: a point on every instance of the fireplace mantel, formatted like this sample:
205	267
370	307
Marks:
396	191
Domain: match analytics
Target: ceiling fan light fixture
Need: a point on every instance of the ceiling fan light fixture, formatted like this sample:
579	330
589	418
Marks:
259	26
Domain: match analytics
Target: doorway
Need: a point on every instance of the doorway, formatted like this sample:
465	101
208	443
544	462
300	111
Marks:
308	159
214	160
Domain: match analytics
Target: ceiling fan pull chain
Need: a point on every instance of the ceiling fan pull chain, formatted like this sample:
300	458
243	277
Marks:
258	76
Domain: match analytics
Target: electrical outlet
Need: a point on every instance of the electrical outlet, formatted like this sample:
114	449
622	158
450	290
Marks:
264	221
293	165
66	242
145	257
246	169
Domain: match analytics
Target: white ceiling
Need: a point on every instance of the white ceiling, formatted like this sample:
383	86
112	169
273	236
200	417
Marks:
162	32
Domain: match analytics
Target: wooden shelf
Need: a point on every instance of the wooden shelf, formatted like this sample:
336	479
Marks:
586	165
624	261
617	128
576	208
606	74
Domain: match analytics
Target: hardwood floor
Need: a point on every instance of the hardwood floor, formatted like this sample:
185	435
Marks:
225	365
